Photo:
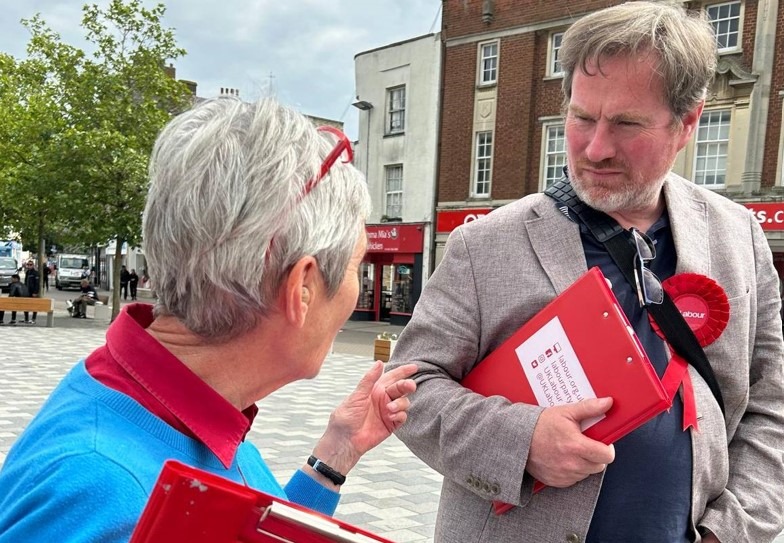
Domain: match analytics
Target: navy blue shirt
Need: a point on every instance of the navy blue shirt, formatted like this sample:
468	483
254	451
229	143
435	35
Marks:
646	493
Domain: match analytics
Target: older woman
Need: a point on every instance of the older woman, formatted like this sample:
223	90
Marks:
253	232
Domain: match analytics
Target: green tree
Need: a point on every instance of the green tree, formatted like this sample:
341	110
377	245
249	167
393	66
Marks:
110	105
31	147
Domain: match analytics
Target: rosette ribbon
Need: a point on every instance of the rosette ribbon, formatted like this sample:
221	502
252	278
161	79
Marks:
705	308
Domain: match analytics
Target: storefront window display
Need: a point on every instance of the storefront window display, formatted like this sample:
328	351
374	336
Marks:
367	273
402	292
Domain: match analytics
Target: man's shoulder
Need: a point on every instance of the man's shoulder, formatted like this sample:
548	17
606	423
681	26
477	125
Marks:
513	213
679	187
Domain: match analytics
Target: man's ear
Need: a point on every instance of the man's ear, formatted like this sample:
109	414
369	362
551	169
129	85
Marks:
690	122
298	290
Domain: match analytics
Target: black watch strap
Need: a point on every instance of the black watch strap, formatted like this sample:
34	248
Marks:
326	471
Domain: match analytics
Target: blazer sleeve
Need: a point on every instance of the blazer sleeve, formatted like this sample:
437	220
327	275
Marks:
751	507
480	443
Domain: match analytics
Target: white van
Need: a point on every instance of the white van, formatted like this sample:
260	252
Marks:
70	270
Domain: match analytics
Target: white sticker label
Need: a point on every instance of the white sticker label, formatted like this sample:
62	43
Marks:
553	369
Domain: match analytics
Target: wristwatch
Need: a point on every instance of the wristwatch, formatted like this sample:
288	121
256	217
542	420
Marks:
331	474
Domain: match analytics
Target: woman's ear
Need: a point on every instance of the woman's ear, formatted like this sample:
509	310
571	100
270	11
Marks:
298	290
305	295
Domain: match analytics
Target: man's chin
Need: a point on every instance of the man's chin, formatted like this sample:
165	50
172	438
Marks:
601	199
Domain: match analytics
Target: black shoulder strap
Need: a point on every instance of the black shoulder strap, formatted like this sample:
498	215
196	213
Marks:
667	316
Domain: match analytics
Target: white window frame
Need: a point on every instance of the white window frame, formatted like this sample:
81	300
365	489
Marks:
484	59
553	156
393	197
553	49
715	22
483	164
396	110
711	146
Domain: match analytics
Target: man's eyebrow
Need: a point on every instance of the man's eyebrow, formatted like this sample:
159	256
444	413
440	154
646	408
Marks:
619	118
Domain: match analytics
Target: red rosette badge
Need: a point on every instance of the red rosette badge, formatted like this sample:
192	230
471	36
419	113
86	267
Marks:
705	308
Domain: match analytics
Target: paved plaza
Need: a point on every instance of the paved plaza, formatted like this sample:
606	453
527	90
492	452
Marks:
390	492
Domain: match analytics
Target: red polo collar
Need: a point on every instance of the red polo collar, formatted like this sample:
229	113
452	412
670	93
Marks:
134	363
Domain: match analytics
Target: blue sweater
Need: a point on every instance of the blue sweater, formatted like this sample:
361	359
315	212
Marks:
85	466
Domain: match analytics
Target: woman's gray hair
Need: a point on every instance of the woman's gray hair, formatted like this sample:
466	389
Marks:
684	43
225	219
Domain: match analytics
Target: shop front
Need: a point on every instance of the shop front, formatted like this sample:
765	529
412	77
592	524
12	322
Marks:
770	216
390	276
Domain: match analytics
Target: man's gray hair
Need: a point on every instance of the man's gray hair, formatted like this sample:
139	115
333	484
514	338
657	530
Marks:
683	41
225	219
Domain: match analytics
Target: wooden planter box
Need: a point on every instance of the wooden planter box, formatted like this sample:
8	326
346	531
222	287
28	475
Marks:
383	348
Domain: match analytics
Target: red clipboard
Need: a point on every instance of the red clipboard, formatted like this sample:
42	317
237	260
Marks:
189	504
586	326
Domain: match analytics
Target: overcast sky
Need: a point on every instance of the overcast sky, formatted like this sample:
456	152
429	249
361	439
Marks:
307	45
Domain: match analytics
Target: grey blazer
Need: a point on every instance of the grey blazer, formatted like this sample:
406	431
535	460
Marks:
498	272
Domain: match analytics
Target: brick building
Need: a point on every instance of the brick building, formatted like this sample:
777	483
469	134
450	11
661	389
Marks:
501	129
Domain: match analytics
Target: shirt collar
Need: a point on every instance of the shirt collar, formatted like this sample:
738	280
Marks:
172	389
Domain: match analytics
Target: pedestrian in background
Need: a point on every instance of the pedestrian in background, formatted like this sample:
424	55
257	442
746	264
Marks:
125	277
87	296
46	276
16	290
33	287
133	282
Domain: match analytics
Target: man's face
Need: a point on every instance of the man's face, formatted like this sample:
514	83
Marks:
621	140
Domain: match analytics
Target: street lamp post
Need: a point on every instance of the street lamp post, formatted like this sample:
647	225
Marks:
365	106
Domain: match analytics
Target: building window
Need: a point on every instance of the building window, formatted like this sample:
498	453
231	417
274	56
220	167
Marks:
725	18
484	163
554	154
713	136
394	192
396	98
554	62
488	63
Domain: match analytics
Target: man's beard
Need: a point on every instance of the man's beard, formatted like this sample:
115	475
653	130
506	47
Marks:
634	193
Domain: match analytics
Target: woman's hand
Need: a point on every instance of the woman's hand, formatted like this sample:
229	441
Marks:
369	415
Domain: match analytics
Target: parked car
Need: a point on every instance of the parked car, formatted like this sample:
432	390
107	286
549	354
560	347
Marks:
8	267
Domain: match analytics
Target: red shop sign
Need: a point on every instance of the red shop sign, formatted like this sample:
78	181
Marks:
449	219
770	215
395	238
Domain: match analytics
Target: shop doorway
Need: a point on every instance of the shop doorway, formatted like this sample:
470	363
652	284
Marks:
387	291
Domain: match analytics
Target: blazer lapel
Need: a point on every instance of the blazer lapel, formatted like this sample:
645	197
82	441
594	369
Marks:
689	223
556	243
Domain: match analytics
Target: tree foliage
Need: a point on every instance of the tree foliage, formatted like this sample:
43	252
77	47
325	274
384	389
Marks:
77	126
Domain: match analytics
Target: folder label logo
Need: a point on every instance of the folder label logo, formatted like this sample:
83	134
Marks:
553	370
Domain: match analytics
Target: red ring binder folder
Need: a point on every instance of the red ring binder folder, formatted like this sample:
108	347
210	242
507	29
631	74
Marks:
189	504
578	346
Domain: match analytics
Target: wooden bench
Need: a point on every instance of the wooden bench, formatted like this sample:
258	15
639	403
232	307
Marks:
40	305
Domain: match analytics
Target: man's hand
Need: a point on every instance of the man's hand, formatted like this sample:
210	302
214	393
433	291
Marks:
369	415
710	538
560	454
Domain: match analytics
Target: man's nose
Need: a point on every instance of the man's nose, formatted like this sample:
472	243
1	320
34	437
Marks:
602	143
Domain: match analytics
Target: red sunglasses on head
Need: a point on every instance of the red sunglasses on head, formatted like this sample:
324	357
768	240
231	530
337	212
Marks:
342	147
